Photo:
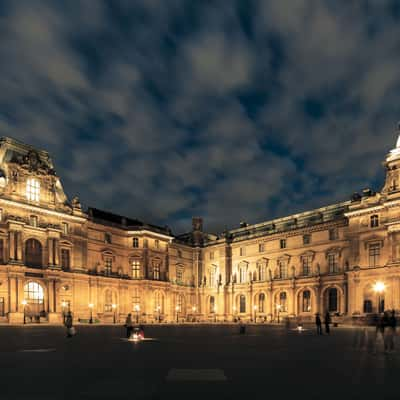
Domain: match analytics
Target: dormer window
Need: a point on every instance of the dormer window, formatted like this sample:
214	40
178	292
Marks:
135	242
107	238
32	189
374	221
33	220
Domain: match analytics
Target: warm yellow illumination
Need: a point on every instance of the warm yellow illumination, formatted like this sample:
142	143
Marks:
114	306
255	308
63	304
379	287
194	308
278	306
234	308
177	308
32	189
91	305
137	307
24	302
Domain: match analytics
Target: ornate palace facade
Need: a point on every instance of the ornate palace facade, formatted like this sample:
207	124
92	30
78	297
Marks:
56	257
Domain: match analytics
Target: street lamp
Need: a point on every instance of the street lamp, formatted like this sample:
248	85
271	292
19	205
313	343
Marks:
194	313
63	305
24	303
255	313
91	313
278	307
137	309
379	288
114	306
177	314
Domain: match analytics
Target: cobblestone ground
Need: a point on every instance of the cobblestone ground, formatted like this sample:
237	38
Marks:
193	362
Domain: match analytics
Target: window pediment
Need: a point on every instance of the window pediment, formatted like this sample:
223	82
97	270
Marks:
262	262
285	258
373	239
333	250
308	253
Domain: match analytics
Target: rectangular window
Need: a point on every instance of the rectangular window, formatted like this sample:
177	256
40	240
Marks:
157	244
374	253
107	238
242	251
282	269
306	239
33	220
156	272
213	276
135	267
374	221
108	266
333	266
333	234
32	189
135	242
283	243
65	228
65	259
261	247
306	261
211	255
179	275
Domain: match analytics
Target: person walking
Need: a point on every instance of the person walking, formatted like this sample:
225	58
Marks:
69	325
391	324
129	325
319	324
327	322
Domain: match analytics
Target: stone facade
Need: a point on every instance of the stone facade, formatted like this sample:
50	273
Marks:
56	257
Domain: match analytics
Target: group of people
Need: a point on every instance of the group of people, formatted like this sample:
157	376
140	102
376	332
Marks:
129	327
327	322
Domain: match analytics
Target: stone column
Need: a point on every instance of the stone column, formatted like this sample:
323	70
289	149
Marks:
12	245
19	245
56	252
50	249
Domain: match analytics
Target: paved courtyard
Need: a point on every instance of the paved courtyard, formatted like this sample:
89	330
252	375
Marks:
191	362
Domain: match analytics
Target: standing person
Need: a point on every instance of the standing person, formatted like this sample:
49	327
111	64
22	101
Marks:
69	324
327	322
319	324
390	332
129	325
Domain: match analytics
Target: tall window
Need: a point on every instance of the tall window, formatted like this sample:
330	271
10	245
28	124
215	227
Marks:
306	262
242	273
262	272
108	301
282	244
242	251
374	221
306	301
242	303
374	252
157	244
212	304
179	303
108	266
33	293
283	270
33	253
135	268
307	239
332	300
32	189
156	270
211	255
261	302
135	242
261	247
135	299
33	220
283	301
65	259
333	234
179	275
367	306
107	238
333	265
213	276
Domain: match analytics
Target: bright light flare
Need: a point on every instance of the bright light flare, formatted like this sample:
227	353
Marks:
379	287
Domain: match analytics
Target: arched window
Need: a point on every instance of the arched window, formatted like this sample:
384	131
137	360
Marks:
261	302
242	303
374	221
32	189
283	301
33	253
332	300
212	304
306	301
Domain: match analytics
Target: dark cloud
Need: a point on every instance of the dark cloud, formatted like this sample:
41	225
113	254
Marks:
233	111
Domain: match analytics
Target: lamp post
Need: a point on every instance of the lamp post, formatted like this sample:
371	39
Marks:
194	313
114	306
278	307
137	309
91	313
177	314
63	305
215	314
24	303
255	313
379	288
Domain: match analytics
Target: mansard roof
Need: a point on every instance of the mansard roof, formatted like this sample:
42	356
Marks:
122	222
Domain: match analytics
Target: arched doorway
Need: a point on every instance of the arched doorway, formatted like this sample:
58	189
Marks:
33	253
34	298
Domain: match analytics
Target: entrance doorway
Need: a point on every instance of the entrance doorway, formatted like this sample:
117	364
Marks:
34	298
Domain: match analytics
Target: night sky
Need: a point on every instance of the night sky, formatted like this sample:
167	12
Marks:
234	111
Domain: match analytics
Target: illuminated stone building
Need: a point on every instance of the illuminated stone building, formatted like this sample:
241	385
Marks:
56	257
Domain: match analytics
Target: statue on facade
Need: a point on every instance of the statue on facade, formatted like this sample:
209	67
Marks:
318	269
76	203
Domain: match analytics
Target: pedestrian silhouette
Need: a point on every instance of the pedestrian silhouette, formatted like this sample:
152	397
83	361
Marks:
327	322
390	333
319	324
129	325
69	325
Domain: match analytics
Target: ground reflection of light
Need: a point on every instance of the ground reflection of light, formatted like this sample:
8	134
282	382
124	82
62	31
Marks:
299	329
